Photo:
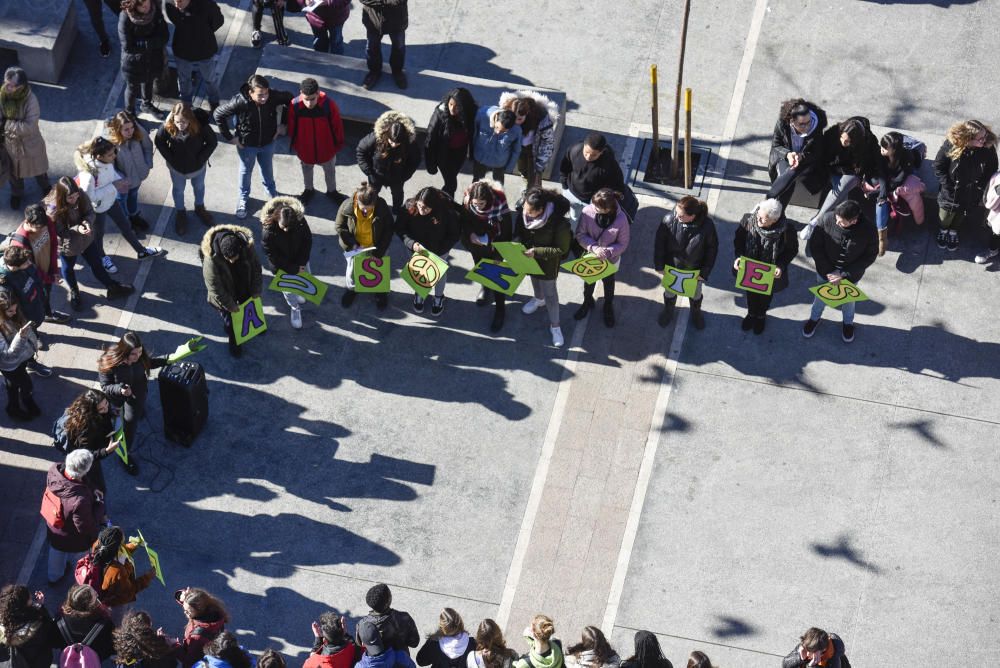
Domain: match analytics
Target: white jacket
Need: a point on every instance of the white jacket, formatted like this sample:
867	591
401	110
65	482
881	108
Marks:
97	179
991	198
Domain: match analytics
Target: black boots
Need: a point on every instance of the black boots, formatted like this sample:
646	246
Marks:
667	314
14	409
581	313
696	316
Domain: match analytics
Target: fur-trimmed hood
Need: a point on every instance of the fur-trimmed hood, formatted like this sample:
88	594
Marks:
205	250
84	163
552	109
279	202
385	121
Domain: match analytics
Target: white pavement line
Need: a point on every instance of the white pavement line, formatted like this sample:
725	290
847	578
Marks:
541	474
31	558
677	340
125	319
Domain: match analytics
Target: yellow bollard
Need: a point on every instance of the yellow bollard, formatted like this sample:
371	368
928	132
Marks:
654	164
688	176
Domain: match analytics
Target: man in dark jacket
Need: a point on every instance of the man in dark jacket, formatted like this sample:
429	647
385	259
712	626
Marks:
256	108
586	168
843	246
381	18
818	648
797	150
686	239
81	512
397	628
316	134
195	24
231	272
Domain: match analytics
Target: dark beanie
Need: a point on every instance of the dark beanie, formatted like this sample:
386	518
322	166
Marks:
379	598
231	246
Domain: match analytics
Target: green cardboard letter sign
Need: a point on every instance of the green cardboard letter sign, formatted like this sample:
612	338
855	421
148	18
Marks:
681	282
249	320
839	293
302	284
423	271
496	276
513	255
755	276
590	268
371	274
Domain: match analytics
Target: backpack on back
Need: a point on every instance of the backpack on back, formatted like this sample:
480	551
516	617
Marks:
60	439
917	149
89	572
51	509
79	654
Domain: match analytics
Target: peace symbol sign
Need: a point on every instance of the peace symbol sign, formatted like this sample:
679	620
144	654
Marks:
423	271
590	266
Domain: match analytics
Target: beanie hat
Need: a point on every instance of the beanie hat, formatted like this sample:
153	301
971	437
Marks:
379	598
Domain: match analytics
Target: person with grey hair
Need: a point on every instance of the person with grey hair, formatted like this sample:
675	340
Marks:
764	234
73	511
19	114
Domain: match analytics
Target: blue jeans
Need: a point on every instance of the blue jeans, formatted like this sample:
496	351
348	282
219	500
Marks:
178	180
203	70
130	203
817	309
92	255
264	155
328	39
373	50
840	186
882	215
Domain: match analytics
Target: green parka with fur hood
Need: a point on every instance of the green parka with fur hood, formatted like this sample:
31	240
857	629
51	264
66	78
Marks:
221	277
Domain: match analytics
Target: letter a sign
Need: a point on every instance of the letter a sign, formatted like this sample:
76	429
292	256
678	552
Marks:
249	321
681	282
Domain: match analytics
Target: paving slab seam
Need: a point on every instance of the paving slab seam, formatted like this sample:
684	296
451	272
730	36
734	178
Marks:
166	210
541	475
878	402
704	642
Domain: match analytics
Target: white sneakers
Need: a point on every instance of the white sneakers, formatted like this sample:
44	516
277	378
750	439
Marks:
296	317
532	305
241	210
987	256
557	337
807	231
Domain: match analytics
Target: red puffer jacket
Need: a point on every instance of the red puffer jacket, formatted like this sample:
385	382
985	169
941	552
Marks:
316	134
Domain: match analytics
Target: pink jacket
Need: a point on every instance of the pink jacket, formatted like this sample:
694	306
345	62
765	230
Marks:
608	243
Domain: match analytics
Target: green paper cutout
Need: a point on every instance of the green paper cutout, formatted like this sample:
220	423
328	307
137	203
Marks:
186	349
154	559
422	272
371	273
119	435
839	293
590	268
303	284
249	320
680	282
755	276
513	255
495	276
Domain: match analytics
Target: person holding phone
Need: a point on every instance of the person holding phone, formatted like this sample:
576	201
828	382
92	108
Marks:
18	345
333	646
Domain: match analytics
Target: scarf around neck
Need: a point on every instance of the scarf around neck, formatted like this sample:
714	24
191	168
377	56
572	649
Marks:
141	19
13	104
538	223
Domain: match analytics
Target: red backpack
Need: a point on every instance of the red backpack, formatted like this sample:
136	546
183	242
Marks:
88	572
51	509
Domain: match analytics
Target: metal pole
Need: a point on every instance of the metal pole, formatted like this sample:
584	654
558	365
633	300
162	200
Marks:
674	154
688	177
654	163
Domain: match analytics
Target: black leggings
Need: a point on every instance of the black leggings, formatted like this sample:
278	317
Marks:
18	384
784	185
277	16
757	304
97	18
609	289
132	91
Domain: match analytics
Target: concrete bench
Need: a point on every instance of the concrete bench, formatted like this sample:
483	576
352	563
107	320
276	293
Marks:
41	33
341	77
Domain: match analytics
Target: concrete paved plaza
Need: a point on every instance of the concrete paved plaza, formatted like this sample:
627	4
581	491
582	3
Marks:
724	490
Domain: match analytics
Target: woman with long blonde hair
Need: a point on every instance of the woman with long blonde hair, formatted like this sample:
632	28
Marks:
964	164
186	142
133	160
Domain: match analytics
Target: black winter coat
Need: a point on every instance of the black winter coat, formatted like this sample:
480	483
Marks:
385	171
838	660
142	46
385	16
289	250
189	155
583	178
964	181
692	245
439	132
78	626
32	641
195	28
113	383
811	153
859	244
95	438
397	628
847	160
780	249
256	124
437	232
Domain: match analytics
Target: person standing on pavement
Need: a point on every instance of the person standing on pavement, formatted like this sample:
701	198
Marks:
586	168
326	20
231	272
430	221
19	344
37	233
113	556
797	150
138	645
363	221
19	115
316	134
487	214
817	648
70	210
20	276
843	246
95	12
86	424
82	509
381	18
206	620
195	46
79	615
537	115
544	651
186	142
540	224
103	184
449	645
332	645
765	234
646	653
991	200
143	34
397	628
604	231
497	143
686	239
27	632
255	109
963	166
133	160
593	651
390	154
449	137
491	649
287	242
277	18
